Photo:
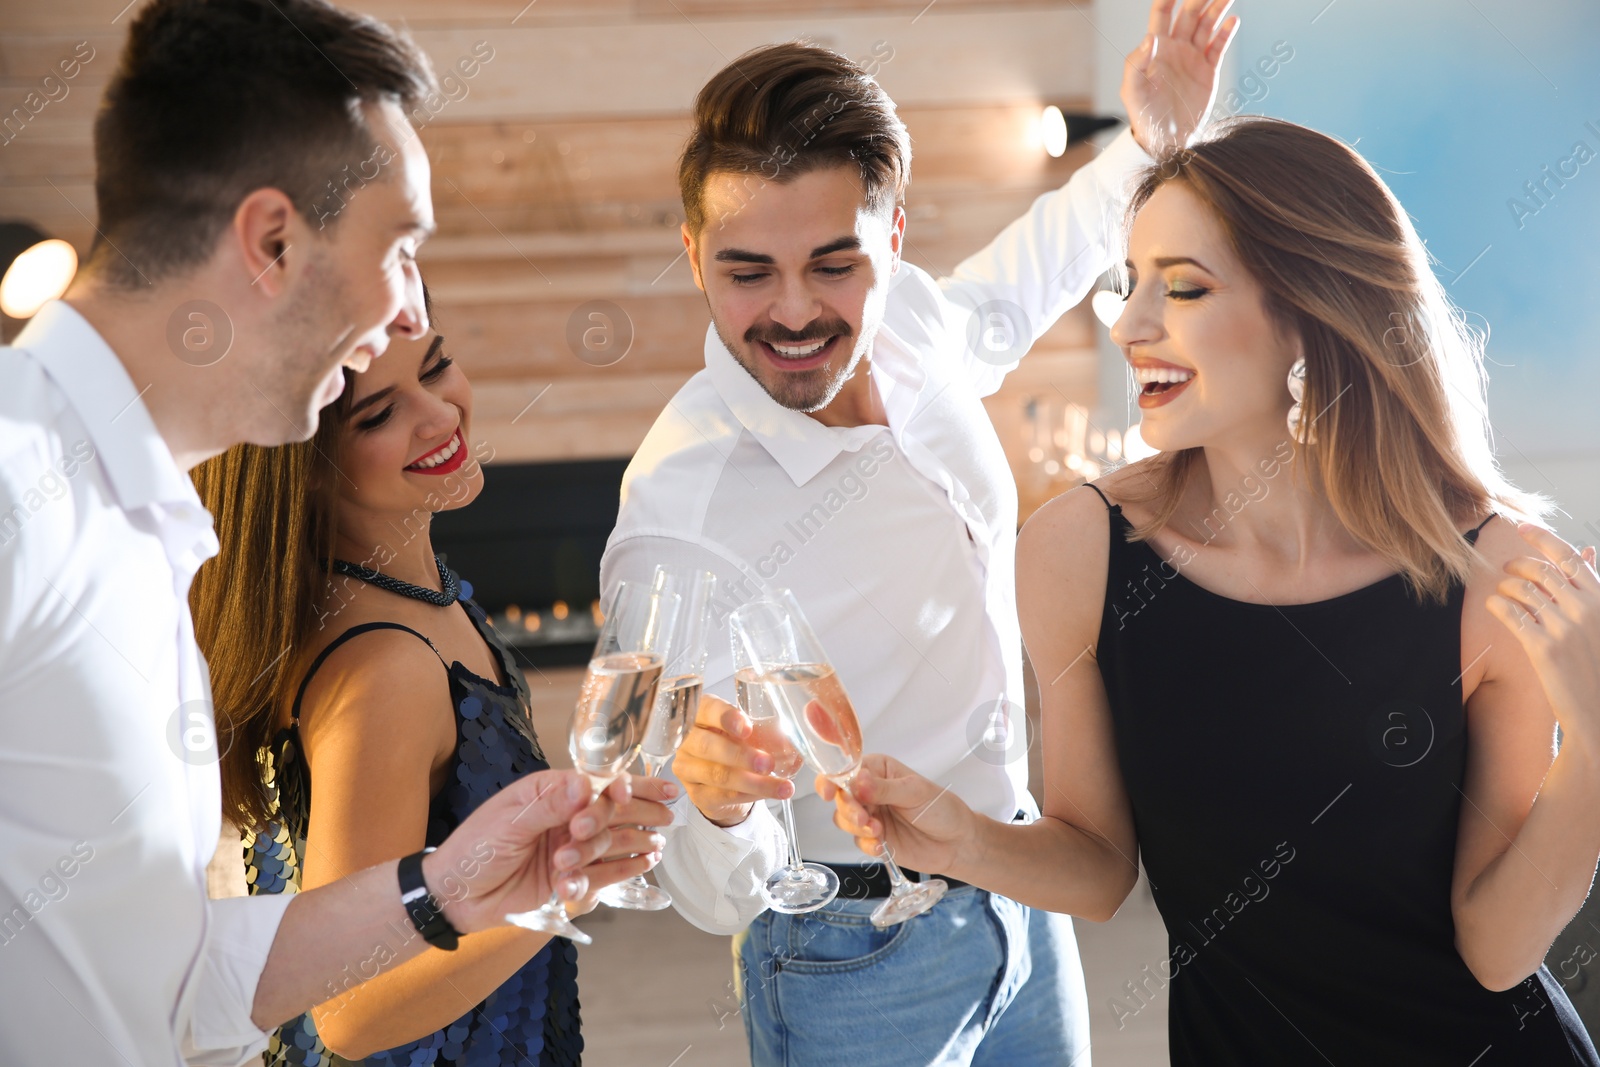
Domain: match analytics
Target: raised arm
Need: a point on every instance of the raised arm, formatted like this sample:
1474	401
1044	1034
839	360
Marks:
1081	857
1170	81
1009	293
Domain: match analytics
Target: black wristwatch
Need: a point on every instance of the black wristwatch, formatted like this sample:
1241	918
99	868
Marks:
427	914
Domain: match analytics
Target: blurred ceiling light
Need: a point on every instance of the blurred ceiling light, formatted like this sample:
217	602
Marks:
1058	129
1053	131
35	269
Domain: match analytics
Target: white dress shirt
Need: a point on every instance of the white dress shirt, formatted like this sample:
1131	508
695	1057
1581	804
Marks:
110	803
897	541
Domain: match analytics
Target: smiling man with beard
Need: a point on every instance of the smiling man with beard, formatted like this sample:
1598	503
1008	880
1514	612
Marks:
827	351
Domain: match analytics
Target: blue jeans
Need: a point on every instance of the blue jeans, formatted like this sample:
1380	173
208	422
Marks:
978	980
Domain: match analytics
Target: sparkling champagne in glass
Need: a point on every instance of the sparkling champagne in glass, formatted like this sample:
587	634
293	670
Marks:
816	714
677	699
765	640
608	724
612	714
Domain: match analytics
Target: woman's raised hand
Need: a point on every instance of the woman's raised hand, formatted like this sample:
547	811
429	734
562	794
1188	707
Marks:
1170	80
928	828
1550	600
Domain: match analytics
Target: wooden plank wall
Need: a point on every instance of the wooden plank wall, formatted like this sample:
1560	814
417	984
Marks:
554	174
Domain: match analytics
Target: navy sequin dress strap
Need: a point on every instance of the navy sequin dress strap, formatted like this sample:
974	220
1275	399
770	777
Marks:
354	631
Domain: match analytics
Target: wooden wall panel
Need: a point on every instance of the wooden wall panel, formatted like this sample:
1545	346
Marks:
945	57
30	16
528	340
555	174
622	172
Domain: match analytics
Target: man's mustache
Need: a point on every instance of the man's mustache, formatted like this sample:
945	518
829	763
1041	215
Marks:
817	331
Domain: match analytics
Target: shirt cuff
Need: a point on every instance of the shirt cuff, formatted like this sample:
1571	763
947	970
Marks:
757	829
715	873
221	1030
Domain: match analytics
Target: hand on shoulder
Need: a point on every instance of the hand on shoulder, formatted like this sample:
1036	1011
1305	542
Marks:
1548	595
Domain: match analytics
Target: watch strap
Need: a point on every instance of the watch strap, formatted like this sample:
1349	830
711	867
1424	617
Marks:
426	913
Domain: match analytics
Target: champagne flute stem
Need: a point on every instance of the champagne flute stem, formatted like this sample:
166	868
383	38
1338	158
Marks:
652	765
896	879
794	838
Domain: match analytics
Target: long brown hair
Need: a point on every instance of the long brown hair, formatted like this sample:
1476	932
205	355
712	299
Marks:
1394	377
256	601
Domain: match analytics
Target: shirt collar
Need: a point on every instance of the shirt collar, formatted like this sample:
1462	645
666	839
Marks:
138	464
802	445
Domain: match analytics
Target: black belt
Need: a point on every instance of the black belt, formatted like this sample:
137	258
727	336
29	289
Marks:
866	881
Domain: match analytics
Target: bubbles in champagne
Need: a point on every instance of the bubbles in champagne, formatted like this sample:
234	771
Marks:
816	713
767	732
609	722
674	714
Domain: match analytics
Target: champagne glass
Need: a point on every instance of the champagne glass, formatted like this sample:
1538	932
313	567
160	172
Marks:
796	679
609	721
676	702
765	641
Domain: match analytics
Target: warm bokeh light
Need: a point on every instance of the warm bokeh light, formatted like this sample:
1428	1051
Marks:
1133	446
41	273
1108	307
559	609
1053	131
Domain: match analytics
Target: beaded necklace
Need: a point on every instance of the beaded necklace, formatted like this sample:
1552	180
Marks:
452	585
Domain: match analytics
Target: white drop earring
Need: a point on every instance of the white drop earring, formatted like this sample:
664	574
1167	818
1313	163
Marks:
1297	391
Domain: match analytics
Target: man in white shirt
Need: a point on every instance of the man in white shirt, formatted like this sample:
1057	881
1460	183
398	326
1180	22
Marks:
261	196
836	445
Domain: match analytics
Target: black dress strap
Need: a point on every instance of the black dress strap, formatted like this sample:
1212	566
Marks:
1109	505
354	631
1472	534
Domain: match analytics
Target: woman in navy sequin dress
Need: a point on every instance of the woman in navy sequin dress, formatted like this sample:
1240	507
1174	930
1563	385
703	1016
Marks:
1301	663
396	700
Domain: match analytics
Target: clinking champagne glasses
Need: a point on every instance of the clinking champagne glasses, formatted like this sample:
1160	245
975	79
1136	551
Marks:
613	709
766	642
685	651
792	673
